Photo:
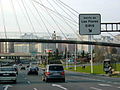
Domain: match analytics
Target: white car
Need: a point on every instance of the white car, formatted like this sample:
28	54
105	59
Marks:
8	74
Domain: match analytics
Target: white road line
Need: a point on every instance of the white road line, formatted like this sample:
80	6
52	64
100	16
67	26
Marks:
6	87
56	85
34	88
28	82
118	87
105	85
95	88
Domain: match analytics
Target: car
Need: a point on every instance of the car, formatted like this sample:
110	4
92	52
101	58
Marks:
16	68
22	68
8	74
32	71
54	72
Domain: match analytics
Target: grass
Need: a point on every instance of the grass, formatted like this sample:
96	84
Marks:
97	69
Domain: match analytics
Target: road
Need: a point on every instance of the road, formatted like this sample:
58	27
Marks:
74	81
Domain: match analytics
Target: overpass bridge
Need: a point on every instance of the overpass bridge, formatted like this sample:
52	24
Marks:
15	54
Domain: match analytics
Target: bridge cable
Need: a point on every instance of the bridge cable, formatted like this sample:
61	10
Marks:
34	15
28	16
64	19
67	9
23	12
64	11
41	15
55	22
16	17
44	18
54	11
3	19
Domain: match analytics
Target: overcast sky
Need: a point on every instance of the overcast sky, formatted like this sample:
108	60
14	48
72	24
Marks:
109	10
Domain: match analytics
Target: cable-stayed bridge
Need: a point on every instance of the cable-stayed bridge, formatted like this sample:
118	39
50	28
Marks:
37	16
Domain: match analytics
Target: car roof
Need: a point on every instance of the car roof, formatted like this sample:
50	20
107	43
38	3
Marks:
7	67
54	65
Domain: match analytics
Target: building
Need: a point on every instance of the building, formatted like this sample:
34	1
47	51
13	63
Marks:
116	40
81	47
6	47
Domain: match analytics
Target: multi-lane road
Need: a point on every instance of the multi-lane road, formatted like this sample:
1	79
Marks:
74	81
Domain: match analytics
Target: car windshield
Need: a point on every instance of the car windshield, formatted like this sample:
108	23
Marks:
55	68
7	69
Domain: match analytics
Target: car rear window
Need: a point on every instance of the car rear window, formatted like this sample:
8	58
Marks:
55	68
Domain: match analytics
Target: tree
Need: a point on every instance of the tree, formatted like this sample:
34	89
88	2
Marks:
99	53
113	51
57	53
83	53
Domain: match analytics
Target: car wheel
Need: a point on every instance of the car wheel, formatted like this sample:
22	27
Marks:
46	80
28	73
15	81
63	80
43	79
37	73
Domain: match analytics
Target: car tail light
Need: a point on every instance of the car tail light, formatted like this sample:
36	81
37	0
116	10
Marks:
47	73
13	74
63	73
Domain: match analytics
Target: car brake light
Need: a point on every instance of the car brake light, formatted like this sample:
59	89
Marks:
47	73
63	73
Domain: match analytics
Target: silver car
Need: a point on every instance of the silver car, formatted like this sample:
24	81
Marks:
54	72
8	74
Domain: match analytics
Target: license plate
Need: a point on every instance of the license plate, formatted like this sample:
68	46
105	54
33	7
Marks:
56	74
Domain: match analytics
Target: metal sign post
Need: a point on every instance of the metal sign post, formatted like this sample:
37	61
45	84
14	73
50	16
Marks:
75	61
91	61
90	24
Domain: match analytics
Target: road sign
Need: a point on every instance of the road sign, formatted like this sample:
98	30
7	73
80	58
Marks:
89	24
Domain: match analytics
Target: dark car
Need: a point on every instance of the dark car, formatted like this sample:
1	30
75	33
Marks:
54	72
32	70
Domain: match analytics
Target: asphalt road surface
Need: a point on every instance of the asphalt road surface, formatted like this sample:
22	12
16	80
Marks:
74	81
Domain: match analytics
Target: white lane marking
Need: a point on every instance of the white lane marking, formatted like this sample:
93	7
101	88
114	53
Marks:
28	82
118	87
6	87
95	88
34	88
56	85
105	85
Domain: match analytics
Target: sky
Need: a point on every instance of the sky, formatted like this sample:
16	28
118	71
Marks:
109	9
23	17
